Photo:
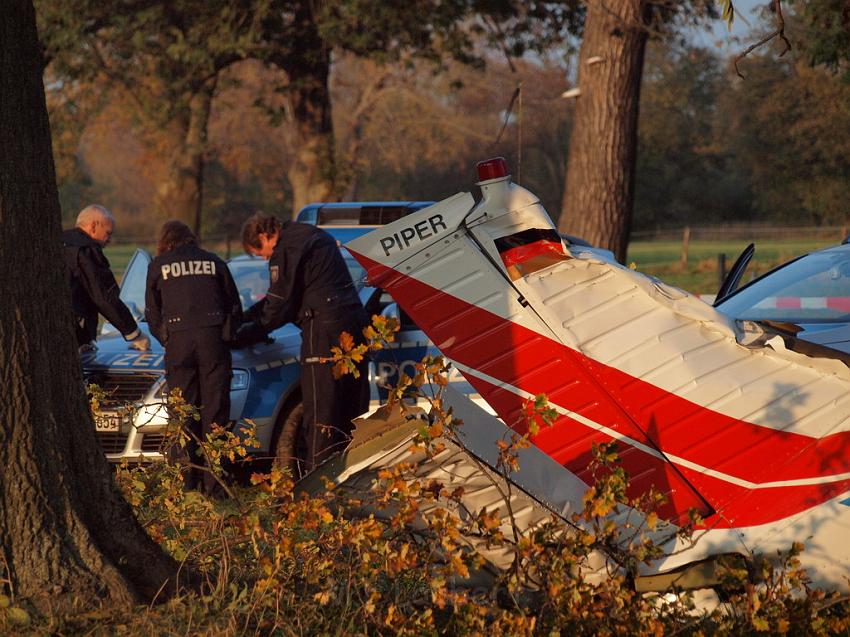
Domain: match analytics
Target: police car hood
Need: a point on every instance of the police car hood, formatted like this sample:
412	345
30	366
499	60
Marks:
114	353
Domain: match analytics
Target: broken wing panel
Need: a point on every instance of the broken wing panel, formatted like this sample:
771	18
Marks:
746	436
479	323
739	423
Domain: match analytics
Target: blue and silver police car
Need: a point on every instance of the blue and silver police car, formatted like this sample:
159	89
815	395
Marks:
265	388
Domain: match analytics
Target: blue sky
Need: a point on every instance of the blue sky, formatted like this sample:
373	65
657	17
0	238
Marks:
746	19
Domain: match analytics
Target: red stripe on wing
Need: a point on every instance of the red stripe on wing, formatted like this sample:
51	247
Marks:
630	407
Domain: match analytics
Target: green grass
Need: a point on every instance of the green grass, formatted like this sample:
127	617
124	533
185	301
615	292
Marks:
658	258
119	256
662	259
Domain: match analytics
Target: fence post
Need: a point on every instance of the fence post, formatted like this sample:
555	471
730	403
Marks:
721	267
843	234
227	246
686	240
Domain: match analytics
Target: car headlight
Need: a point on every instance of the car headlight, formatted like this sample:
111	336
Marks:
239	380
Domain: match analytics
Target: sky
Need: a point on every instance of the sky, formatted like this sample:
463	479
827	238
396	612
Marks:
746	19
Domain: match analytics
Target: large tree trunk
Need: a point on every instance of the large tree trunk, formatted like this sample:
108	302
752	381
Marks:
346	175
66	534
312	174
600	182
180	196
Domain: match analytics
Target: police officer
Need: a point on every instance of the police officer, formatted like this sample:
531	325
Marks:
193	309
93	286
310	286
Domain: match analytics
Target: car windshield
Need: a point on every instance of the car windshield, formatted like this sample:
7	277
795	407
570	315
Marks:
252	277
358	274
812	289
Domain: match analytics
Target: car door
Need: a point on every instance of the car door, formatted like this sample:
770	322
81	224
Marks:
730	283
133	284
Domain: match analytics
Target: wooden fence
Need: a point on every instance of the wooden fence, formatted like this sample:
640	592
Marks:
744	232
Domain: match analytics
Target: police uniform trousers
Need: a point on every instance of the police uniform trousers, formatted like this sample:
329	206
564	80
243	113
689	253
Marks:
198	362
330	404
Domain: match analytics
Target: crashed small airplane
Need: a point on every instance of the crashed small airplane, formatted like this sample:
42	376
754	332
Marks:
717	414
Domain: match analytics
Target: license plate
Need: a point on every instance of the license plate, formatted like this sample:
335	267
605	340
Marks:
108	422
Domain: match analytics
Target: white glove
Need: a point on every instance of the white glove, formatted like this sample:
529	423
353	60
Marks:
141	343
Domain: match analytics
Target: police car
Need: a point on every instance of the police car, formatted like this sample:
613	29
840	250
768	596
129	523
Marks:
265	387
806	300
358	213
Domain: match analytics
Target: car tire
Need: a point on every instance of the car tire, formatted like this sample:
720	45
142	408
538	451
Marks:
290	444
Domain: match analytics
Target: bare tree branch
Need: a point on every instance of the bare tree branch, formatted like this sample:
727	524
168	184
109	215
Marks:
779	32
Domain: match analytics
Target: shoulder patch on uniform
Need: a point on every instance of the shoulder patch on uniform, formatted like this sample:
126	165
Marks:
274	273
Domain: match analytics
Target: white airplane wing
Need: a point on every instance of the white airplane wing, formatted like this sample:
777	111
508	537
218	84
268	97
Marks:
755	438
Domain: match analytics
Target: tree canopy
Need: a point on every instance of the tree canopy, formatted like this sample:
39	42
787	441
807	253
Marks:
169	56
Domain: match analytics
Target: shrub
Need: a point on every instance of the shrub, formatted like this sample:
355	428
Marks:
378	561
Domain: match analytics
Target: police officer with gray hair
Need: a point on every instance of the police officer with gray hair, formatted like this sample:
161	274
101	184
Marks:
193	309
93	286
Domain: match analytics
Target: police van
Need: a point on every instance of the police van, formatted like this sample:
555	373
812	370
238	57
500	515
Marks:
358	213
265	387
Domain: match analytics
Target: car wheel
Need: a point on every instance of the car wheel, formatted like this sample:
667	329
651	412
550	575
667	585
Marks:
290	444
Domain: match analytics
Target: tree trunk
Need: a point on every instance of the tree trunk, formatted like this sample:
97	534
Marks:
180	196
67	536
600	182
311	174
313	171
347	174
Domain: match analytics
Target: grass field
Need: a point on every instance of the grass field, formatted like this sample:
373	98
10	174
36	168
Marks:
662	259
119	256
658	258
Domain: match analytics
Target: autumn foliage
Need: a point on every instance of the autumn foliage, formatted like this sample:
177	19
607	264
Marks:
272	560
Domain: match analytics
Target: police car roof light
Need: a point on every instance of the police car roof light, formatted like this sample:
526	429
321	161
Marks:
492	169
